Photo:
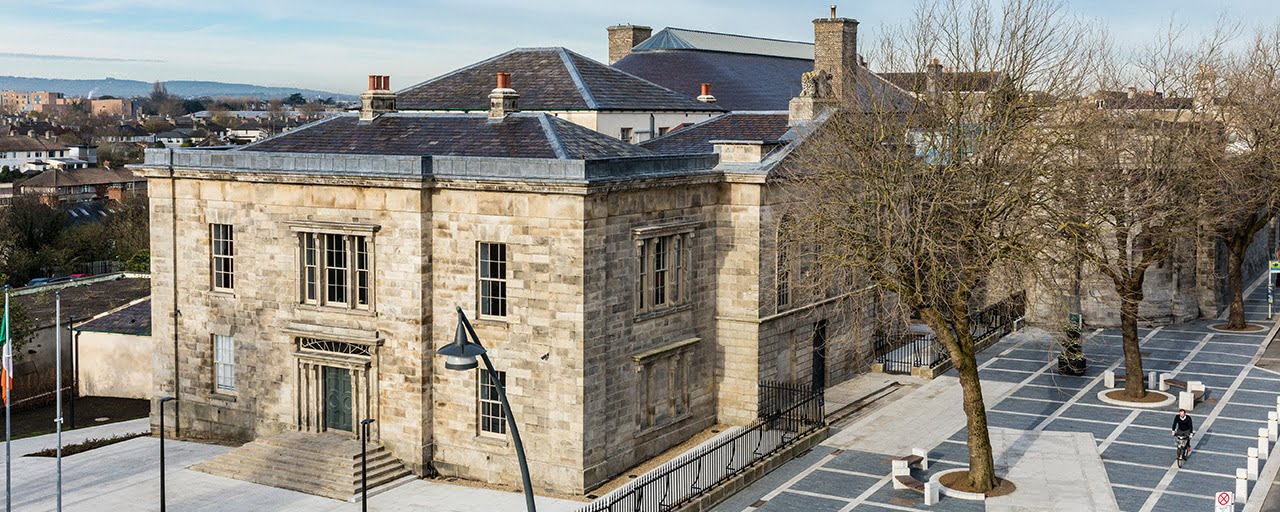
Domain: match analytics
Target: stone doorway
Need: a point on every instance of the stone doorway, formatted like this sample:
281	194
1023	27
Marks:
337	384
337	399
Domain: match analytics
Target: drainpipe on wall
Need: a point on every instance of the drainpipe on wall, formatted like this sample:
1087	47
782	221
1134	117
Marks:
173	238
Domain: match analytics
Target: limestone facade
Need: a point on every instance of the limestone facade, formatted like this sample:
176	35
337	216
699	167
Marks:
600	377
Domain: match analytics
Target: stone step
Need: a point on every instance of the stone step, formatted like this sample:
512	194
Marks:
266	450
322	464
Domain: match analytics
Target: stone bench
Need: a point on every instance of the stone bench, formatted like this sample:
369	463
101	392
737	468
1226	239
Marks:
902	478
1193	392
1112	380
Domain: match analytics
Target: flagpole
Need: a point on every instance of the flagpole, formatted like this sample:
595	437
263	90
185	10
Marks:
57	328
8	449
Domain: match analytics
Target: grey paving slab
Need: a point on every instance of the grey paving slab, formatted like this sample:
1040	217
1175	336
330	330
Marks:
1054	380
1213	369
1137	476
1236	427
1013	421
1099	431
1012	364
1224	444
1040	393
1237	410
1256	384
835	484
789	502
898	498
1144	435
1046	356
954	452
1026	406
1087	412
1130	500
1215	383
1214	357
1264	398
1002	375
1186	481
1213	462
863	462
1232	348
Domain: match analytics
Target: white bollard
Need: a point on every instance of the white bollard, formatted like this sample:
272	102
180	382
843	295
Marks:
1252	464
1278	405
1164	386
1151	380
1242	485
1186	400
1273	425
924	457
1262	443
1109	380
930	493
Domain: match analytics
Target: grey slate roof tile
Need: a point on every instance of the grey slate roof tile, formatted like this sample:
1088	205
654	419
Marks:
546	79
697	139
520	135
135	319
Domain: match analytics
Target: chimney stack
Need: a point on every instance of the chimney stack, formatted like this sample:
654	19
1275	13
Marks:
378	99
706	96
835	50
503	100
933	79
622	38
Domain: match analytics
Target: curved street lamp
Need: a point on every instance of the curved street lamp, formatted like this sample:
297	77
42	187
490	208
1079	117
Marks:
461	355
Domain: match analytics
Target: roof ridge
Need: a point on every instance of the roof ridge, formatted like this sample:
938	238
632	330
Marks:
459	70
642	79
738	35
574	74
553	136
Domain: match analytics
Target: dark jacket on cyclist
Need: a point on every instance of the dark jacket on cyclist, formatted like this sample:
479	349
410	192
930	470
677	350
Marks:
1181	423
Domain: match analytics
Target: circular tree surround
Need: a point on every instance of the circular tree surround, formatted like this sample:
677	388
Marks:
953	481
1153	400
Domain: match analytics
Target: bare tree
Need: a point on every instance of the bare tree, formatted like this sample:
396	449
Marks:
1122	195
1239	97
935	200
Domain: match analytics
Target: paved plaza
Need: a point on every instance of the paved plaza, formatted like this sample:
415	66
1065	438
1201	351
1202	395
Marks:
1025	395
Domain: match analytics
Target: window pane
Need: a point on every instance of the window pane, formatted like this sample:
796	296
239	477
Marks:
335	268
224	362
492	276
362	271
660	249
310	268
223	247
492	417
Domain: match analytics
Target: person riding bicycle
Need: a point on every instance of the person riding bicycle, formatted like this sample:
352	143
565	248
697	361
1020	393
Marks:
1182	426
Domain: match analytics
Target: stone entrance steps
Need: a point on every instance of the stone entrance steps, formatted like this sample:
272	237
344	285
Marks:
322	464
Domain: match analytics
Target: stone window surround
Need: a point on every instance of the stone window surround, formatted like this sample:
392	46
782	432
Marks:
309	387
678	376
505	280
301	227
215	256
643	236
229	362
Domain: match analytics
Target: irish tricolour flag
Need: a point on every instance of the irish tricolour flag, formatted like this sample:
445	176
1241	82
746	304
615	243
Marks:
6	371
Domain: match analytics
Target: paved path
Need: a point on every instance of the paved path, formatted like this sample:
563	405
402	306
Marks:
1024	391
125	476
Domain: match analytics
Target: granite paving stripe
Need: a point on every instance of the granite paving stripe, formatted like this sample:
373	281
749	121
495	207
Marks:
790	501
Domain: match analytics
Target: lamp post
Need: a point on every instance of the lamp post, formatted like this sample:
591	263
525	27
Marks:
162	402
364	463
461	355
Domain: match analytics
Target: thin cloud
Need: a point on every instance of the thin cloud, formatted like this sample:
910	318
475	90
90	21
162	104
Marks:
43	56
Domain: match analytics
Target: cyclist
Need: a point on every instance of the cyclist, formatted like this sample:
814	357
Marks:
1183	427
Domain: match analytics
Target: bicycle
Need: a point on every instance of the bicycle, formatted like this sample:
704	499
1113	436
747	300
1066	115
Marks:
1184	446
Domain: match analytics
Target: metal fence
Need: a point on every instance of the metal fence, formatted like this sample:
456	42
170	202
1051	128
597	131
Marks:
787	412
900	352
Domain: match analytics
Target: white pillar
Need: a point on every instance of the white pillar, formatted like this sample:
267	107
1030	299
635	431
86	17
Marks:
930	494
1252	464
1242	485
1109	380
1186	401
1273	425
1164	385
1263	446
1151	380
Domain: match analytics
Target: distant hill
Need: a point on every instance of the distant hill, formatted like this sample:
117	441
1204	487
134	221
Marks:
131	88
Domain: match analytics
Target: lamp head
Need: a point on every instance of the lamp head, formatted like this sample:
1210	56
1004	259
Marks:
367	421
461	354
167	399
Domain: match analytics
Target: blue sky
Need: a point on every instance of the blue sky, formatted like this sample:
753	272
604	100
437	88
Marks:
333	45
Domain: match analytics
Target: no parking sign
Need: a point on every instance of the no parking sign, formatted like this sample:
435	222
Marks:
1224	502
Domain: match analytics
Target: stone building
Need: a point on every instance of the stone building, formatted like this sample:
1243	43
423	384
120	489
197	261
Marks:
633	295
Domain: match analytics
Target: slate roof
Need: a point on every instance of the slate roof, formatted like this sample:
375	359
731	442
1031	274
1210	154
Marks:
696	139
25	143
965	81
520	135
79	177
1145	100
547	79
672	38
134	319
740	82
83	300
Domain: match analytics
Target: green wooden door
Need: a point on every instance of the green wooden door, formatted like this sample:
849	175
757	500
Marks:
337	398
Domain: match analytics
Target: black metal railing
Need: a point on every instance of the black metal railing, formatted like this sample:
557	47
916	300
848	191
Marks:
788	412
899	352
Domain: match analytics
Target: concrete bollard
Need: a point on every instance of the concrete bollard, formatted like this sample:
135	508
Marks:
1273	425
1164	386
1242	485
924	457
930	494
1252	464
1186	400
1263	445
1109	380
1151	380
1278	405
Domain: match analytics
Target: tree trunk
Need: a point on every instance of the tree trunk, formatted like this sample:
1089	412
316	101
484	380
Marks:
1132	352
959	343
1235	262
